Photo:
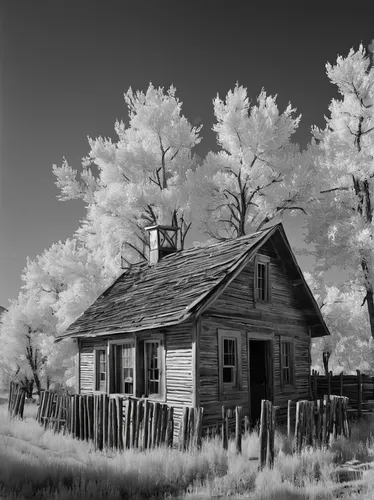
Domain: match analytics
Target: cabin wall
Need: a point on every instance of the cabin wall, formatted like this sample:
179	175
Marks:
235	309
178	364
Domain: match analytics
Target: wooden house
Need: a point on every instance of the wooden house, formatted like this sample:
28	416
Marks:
224	324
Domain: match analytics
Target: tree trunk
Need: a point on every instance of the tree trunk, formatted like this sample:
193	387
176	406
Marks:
369	295
37	382
29	387
325	358
370	304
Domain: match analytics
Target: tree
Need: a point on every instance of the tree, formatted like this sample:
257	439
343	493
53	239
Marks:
141	179
257	175
58	286
22	329
340	220
350	346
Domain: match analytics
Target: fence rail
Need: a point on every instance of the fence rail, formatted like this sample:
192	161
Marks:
359	389
16	402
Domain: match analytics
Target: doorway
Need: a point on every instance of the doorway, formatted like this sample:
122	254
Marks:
260	375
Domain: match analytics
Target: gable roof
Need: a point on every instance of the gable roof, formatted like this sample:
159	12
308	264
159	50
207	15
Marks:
178	287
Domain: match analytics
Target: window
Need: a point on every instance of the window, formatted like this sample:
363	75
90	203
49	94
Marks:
229	360
152	362
131	367
121	367
100	362
262	288
286	356
126	368
229	367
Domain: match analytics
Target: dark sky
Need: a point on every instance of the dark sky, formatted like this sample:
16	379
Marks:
66	64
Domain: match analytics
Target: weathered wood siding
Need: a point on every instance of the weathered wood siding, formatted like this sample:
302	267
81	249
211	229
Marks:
179	370
235	309
178	364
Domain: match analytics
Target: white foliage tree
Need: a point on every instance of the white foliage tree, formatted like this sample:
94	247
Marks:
258	174
58	286
23	329
340	220
140	179
350	345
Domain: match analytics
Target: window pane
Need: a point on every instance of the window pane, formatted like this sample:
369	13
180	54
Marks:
101	370
261	285
229	367
228	375
285	359
229	352
152	368
127	362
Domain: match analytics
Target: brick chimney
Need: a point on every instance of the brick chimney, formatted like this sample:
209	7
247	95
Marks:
163	240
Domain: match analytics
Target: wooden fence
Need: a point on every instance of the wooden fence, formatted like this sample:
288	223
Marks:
190	428
16	402
267	433
317	421
111	422
359	389
231	425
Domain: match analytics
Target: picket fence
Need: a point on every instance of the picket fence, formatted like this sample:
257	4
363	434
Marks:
16	402
111	422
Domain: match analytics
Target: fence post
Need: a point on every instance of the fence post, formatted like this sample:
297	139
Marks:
289	418
359	393
170	427
190	428
224	429
145	424
139	415
238	428
271	422
183	428
341	384
263	433
329	384
127	424
315	384
297	427
246	424
198	426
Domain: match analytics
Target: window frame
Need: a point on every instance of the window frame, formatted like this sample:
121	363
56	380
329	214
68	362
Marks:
114	346
159	339
226	389
263	260
290	342
96	363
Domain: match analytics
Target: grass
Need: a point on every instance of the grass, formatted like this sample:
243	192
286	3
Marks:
41	465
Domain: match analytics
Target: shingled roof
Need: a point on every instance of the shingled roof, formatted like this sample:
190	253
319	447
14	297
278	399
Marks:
173	290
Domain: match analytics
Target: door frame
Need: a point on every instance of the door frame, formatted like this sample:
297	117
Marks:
268	338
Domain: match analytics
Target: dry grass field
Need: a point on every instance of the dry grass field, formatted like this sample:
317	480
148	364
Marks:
41	465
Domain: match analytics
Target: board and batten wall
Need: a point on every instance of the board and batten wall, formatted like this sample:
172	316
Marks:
235	310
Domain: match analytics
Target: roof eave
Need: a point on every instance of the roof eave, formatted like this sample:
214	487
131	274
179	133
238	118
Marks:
91	334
